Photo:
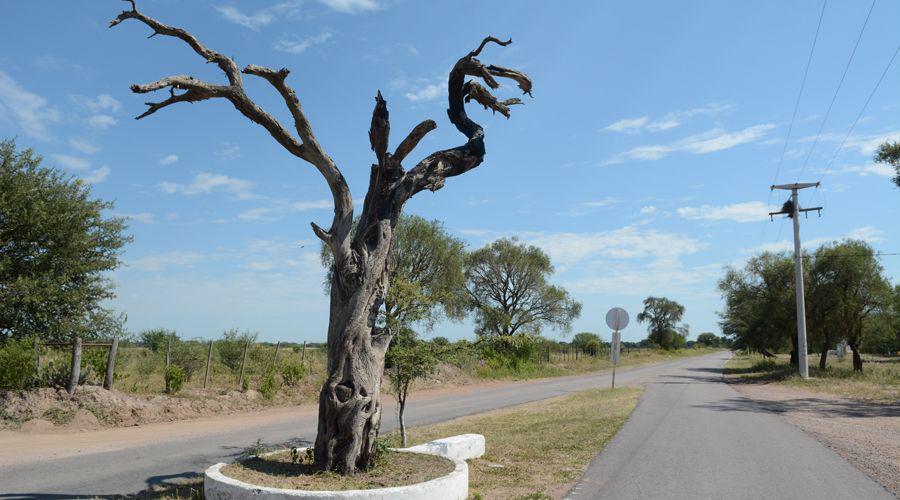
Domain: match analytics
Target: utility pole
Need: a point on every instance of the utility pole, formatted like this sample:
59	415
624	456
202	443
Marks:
792	209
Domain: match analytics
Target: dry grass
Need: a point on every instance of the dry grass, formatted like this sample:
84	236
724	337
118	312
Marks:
538	449
395	469
879	381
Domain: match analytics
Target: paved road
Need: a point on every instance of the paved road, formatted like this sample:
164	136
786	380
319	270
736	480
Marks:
133	469
694	437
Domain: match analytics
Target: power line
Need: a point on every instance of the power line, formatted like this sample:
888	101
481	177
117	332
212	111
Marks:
787	138
836	91
861	111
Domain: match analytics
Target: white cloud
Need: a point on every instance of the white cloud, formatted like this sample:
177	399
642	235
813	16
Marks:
72	162
426	92
706	142
143	217
103	103
669	121
168	159
83	146
167	260
750	211
604	202
27	109
300	46
98	175
648	210
869	234
228	151
351	6
879	169
302	206
101	122
259	213
206	182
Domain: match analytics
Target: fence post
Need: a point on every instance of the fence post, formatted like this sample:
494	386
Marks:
208	362
111	364
275	358
243	362
37	359
76	366
168	353
303	354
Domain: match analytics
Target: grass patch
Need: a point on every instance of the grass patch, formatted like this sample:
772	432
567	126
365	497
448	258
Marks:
59	416
395	469
879	381
536	450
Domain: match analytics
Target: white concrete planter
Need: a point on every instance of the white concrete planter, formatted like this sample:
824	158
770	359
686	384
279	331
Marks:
453	486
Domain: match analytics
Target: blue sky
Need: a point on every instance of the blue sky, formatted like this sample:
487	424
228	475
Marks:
641	166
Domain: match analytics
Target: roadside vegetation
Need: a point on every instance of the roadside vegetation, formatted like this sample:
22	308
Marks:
879	382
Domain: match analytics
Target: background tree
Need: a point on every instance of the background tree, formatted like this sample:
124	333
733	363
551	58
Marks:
510	294
56	247
349	403
709	339
587	342
759	308
850	286
408	359
889	153
662	316
155	339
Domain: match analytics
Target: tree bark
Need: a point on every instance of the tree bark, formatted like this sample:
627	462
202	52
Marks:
349	405
401	401
794	350
857	360
823	357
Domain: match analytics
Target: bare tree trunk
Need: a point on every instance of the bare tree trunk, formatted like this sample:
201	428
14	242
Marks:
401	401
823	357
857	360
76	366
349	406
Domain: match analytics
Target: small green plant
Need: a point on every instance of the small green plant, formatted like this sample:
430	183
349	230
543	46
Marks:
17	364
245	384
59	416
255	450
295	456
311	455
269	385
382	448
174	379
292	373
477	496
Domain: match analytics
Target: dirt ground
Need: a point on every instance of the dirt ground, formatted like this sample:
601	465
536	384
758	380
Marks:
865	434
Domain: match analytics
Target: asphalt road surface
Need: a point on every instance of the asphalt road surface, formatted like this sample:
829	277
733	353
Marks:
694	437
134	468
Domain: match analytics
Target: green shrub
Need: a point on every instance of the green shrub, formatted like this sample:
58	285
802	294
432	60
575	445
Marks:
156	338
190	356
231	347
56	374
269	385
292	373
94	363
17	364
174	379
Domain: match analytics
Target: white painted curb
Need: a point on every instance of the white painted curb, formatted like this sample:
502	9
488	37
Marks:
462	447
453	486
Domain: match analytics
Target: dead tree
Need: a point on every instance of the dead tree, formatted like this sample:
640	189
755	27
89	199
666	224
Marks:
349	406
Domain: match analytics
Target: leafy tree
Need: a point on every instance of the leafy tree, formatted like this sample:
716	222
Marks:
408	359
759	308
889	153
662	316
848	288
56	248
510	293
231	347
708	339
155	339
587	342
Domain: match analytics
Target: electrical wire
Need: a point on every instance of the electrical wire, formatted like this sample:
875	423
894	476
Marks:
836	92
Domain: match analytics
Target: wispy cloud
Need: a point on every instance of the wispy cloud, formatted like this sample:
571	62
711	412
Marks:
302	206
83	146
96	176
869	234
167	260
669	121
750	211
879	169
168	159
706	142
72	162
27	109
263	17
206	182
103	103
424	92
300	46
228	151
101	122
143	217
352	6
259	213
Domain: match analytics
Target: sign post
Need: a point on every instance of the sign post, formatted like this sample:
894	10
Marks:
617	319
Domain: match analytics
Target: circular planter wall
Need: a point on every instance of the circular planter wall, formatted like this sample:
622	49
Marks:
453	486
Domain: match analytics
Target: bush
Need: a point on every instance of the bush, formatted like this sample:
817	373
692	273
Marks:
292	373
269	385
174	379
94	362
17	364
190	356
512	352
231	347
156	338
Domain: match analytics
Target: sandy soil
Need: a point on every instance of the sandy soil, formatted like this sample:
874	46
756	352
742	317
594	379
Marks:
865	434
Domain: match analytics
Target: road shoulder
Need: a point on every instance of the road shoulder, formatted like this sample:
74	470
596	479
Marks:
863	433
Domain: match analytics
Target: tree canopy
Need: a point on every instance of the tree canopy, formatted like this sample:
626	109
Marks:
56	245
662	316
889	153
510	293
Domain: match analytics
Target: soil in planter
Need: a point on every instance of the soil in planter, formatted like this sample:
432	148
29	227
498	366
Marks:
394	469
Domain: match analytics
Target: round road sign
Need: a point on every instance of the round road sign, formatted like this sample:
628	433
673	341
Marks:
617	319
